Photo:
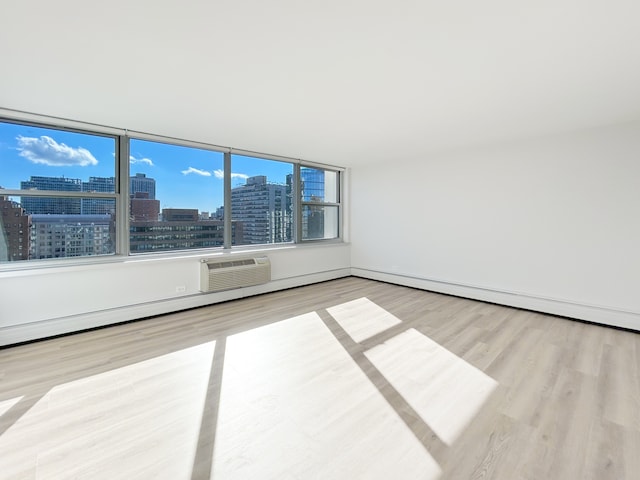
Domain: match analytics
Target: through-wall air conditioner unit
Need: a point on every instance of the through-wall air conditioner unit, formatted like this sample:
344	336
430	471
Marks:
217	275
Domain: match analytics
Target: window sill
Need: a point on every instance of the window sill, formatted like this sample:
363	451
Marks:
35	266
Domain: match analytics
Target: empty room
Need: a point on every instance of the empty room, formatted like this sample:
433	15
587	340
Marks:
320	240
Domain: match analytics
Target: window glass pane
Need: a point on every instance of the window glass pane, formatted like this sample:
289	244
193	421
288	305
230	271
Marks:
261	200
82	227
319	185
319	222
37	158
176	196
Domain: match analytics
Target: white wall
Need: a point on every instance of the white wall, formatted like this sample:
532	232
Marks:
35	303
551	224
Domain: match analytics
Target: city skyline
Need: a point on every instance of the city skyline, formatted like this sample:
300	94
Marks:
176	196
185	177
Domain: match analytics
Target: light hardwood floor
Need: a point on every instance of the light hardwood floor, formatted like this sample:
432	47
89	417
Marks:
348	379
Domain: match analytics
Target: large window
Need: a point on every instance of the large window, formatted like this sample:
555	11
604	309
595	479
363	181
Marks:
176	196
261	200
320	195
57	193
72	192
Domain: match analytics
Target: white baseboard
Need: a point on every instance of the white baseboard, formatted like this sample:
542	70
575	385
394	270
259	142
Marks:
591	313
58	326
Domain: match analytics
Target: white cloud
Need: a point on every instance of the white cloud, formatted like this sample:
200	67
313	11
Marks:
189	170
220	174
47	151
146	161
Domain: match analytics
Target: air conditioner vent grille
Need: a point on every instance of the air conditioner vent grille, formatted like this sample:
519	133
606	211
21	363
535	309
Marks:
233	263
217	275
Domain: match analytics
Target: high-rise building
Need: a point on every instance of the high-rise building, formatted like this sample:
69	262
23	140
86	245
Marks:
180	214
100	184
52	205
313	189
70	227
98	206
57	236
69	206
180	235
144	209
142	183
312	184
264	209
15	228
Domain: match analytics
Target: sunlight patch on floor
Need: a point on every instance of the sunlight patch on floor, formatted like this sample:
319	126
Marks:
6	405
362	318
138	421
294	405
445	391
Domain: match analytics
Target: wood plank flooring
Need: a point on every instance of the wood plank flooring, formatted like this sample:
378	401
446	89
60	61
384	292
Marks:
348	379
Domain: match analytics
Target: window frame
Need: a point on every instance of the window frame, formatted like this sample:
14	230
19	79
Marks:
122	174
31	120
270	158
302	203
146	137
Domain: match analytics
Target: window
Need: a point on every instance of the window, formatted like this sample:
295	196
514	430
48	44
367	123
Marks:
320	203
261	201
68	191
175	195
56	181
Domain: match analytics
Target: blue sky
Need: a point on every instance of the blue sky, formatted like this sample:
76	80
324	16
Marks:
185	177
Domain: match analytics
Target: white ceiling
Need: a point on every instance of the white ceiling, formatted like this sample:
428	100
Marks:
342	82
